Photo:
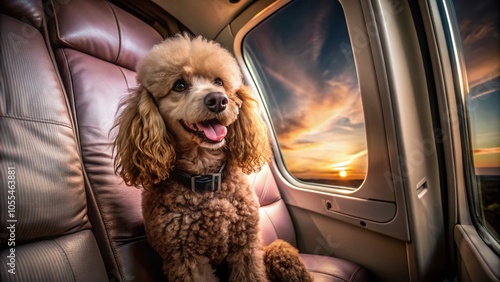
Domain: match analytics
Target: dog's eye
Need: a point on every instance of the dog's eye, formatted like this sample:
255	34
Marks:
180	85
218	82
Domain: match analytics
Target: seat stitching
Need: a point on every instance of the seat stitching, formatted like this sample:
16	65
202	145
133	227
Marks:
67	259
272	222
119	33
253	179
46	121
124	77
56	23
107	226
71	105
266	188
354	273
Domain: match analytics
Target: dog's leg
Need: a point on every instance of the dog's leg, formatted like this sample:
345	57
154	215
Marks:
283	263
189	269
247	263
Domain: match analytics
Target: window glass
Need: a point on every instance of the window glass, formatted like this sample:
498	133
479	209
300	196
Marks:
479	25
301	59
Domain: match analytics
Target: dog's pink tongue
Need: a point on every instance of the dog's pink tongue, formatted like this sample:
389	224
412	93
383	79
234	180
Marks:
213	130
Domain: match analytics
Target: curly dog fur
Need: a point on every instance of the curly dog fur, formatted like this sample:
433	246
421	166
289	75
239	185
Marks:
192	113
283	263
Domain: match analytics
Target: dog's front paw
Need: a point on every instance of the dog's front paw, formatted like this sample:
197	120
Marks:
283	263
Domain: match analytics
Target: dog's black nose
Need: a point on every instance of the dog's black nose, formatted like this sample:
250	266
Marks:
216	101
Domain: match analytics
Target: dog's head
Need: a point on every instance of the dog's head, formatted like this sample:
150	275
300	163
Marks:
190	94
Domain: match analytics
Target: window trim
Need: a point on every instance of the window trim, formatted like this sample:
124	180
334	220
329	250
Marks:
279	161
379	203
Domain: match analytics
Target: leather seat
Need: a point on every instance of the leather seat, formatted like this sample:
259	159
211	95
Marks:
277	224
96	51
49	236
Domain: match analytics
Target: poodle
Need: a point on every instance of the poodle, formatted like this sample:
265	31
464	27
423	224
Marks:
189	134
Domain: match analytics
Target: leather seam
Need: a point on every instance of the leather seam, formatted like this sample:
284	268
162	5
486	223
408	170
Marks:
271	204
266	182
45	121
107	226
253	179
266	188
124	77
354	273
67	259
57	27
276	230
71	106
89	185
134	239
272	223
119	33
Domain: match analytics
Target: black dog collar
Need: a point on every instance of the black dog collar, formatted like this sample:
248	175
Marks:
209	182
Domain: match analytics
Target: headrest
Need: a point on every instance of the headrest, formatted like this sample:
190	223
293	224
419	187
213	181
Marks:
30	11
101	29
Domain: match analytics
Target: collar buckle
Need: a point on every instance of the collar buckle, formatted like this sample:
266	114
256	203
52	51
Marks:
209	182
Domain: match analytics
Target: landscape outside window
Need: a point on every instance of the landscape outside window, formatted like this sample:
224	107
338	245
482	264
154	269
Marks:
302	60
479	25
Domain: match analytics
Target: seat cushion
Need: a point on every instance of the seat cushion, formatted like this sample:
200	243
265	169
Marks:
276	223
328	269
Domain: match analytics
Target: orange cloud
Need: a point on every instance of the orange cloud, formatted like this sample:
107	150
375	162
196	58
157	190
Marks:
312	107
480	41
483	151
344	164
486	159
473	32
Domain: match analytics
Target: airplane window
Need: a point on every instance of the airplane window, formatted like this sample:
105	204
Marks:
479	31
302	61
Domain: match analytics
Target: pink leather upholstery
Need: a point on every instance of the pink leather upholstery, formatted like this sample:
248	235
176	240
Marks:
275	220
98	45
30	12
102	30
277	224
48	211
329	269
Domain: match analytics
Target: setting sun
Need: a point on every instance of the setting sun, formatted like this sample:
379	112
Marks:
343	173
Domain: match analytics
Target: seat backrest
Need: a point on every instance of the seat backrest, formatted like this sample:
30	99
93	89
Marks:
275	220
97	46
45	229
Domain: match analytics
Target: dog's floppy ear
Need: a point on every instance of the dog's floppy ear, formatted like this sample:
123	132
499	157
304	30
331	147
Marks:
248	139
144	149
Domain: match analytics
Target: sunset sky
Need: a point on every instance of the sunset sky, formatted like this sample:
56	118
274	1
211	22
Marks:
312	90
479	26
313	97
